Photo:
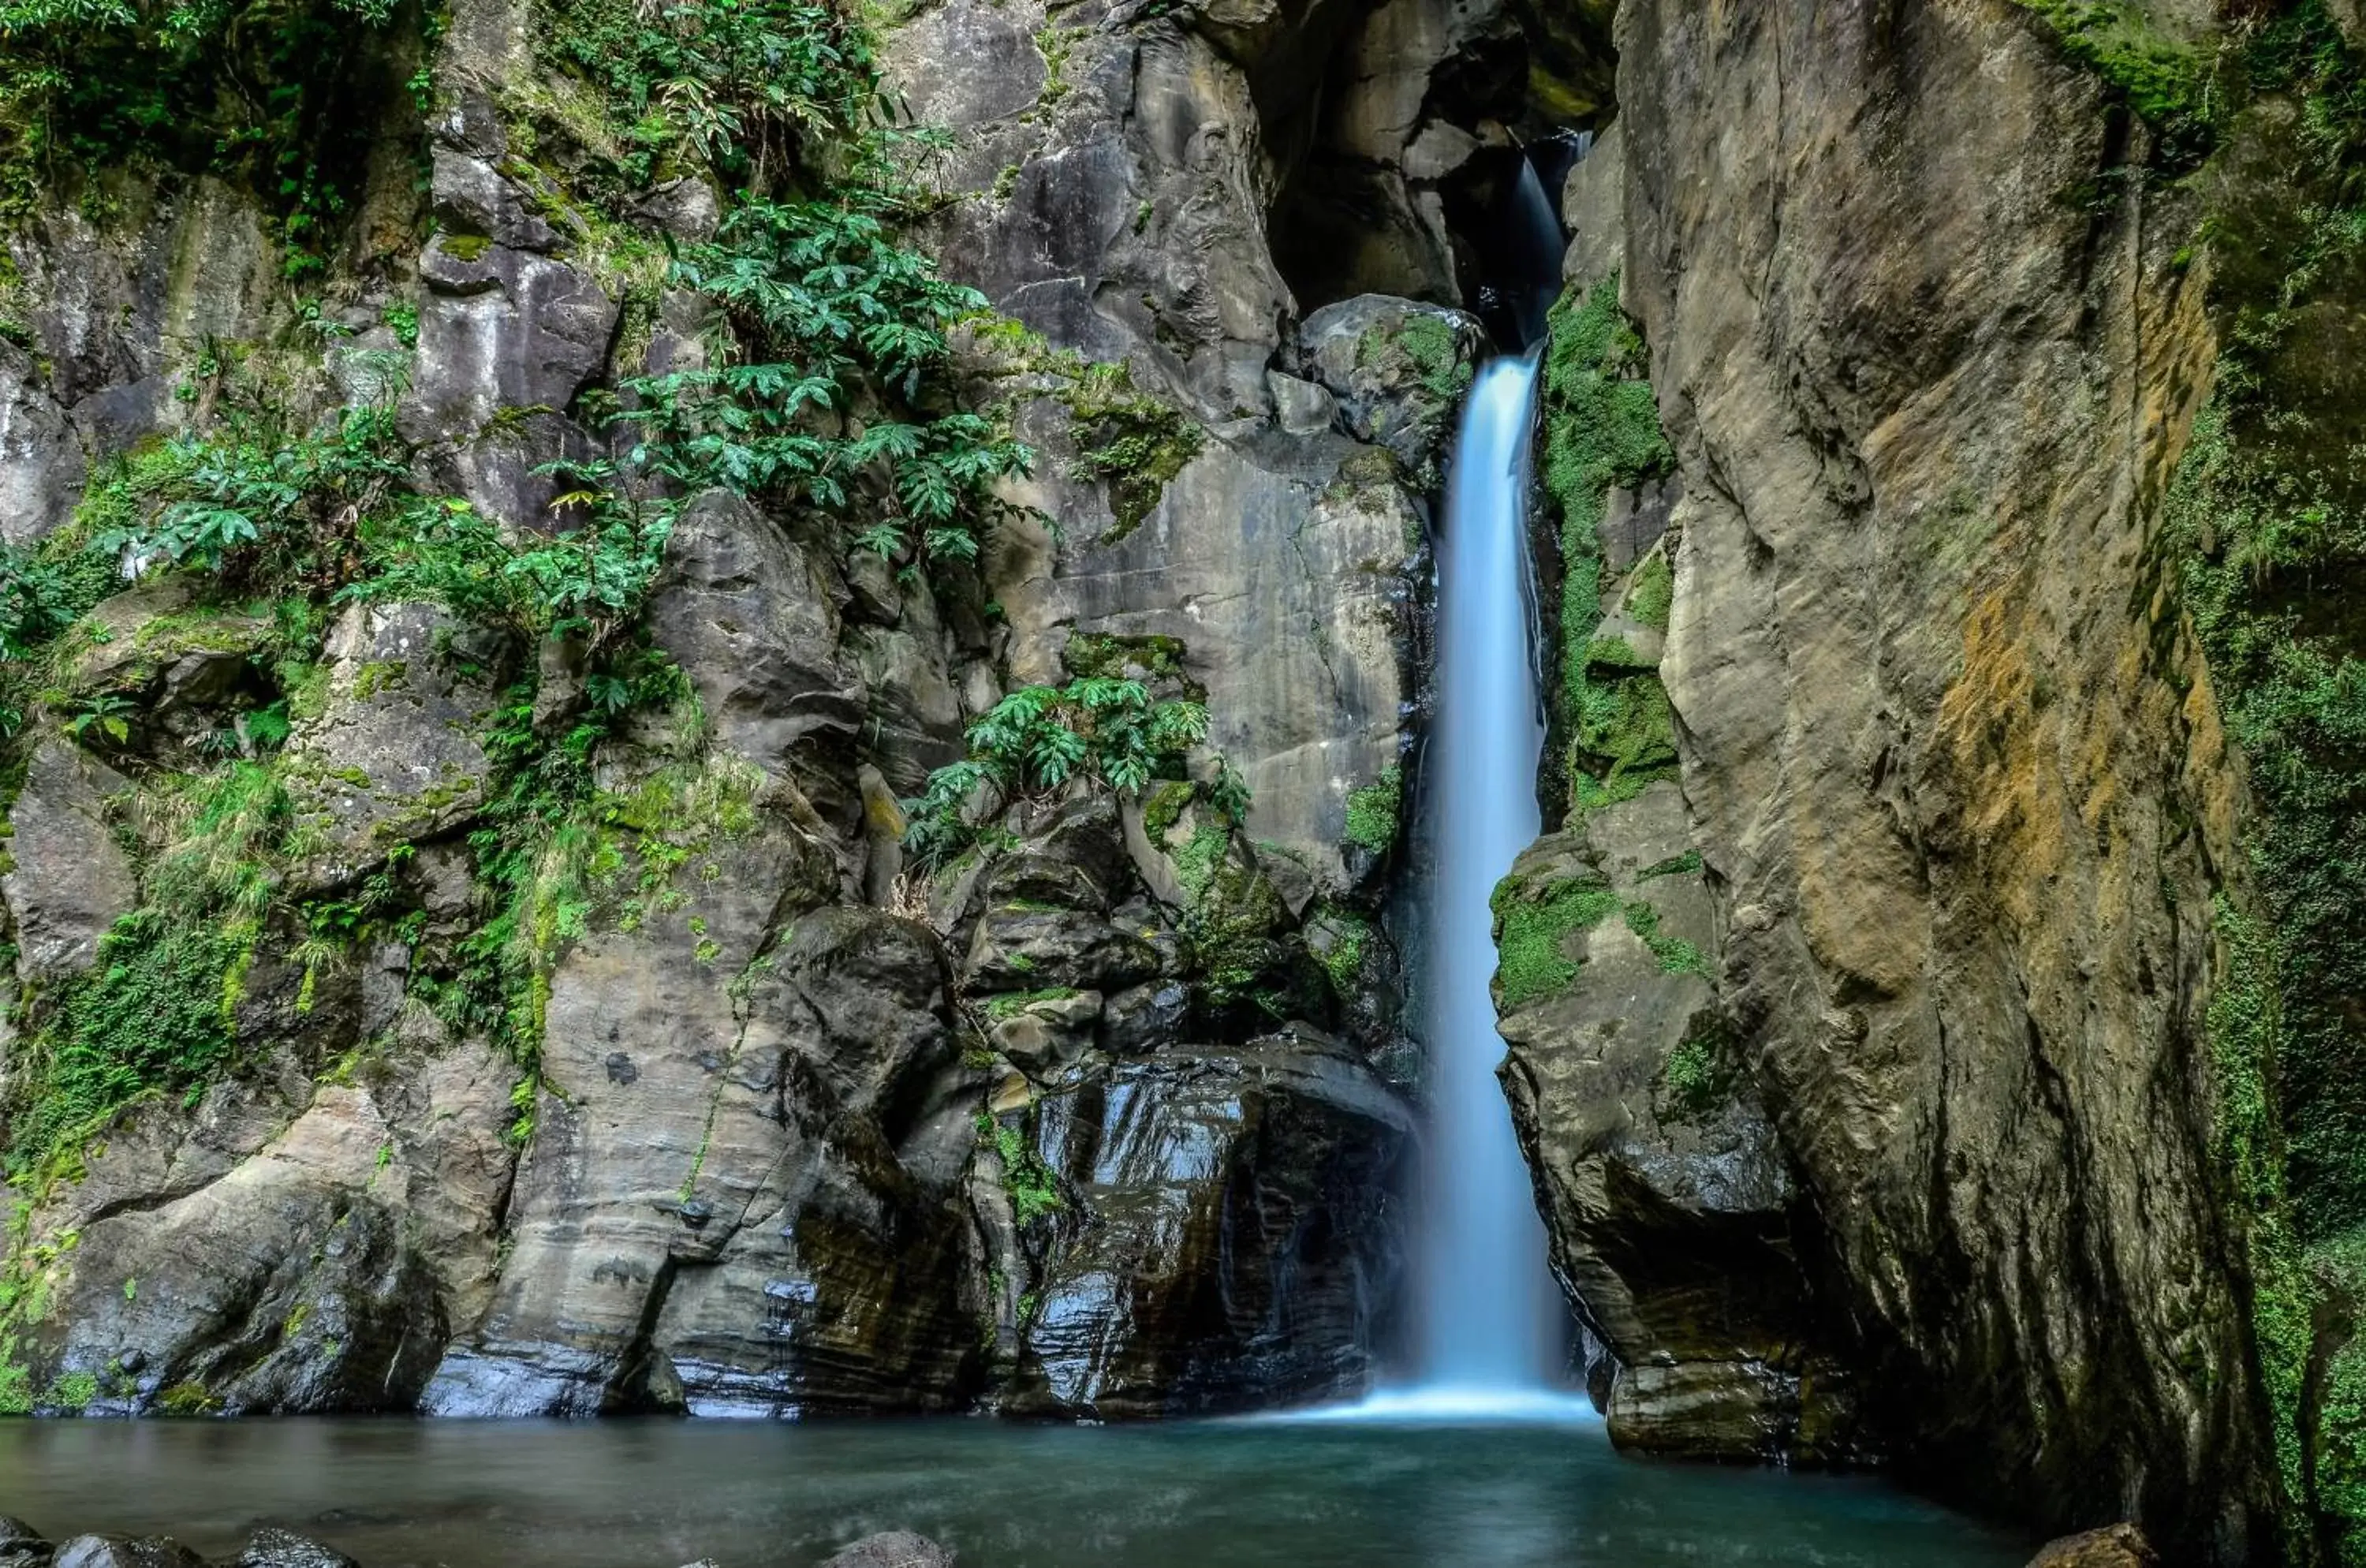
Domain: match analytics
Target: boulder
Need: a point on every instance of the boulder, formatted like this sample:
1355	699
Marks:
2115	1546
121	1552
752	617
1226	1236
893	1548
1397	368
271	1548
68	878
393	754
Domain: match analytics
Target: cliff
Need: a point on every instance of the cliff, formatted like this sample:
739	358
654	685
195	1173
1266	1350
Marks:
715	713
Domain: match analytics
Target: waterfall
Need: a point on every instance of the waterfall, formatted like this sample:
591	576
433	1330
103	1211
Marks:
1488	1315
1489	1318
1490	1323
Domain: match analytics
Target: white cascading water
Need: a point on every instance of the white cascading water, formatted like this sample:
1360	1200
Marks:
1489	1321
1487	1316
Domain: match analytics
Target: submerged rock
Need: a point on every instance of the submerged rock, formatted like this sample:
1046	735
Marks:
893	1548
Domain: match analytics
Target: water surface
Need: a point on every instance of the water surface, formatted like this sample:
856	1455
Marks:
1218	1494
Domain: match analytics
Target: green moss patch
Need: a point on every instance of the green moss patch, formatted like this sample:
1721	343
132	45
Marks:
1375	812
1533	925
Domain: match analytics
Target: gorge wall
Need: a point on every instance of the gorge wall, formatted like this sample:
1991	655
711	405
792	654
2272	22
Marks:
672	867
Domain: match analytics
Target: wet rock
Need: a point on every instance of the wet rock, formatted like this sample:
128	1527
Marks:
893	1548
1045	1033
21	1546
120	1552
1146	1018
68	879
1233	1241
1398	368
752	617
1019	947
270	1548
394	755
2117	1546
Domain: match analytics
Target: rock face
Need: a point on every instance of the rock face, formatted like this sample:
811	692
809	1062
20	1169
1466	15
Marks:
1952	776
719	1101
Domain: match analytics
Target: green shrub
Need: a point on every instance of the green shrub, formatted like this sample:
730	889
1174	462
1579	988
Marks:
1094	730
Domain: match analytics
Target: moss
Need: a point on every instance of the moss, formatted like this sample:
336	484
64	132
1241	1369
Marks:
1686	865
376	675
1652	591
1676	955
1134	444
16	1389
1600	430
2166	82
1010	1004
1348	937
1116	658
187	1399
464	247
1375	812
1533	924
1164	806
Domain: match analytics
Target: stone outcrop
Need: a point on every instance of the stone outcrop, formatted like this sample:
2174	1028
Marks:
1952	774
741	1111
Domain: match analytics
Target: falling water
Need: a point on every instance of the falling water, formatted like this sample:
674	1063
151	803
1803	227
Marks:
1489	1319
1490	1323
1488	1315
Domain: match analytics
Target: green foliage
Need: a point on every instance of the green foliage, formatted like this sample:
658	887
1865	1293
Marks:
1601	431
1374	811
1035	1191
2166	82
1698	1077
734	86
823	303
1351	936
1092	731
253	500
1533	924
156	1013
589	581
264	91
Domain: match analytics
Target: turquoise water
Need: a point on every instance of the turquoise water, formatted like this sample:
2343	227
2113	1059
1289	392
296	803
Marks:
653	1495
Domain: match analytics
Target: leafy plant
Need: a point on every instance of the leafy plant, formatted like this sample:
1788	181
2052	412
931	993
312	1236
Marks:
825	305
1094	730
214	503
